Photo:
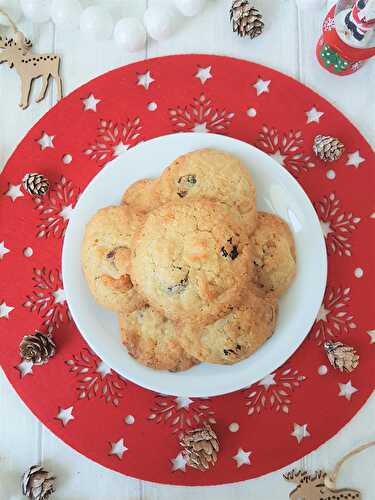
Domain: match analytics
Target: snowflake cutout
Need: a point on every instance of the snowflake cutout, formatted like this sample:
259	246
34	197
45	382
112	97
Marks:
333	319
200	116
181	413
55	207
96	380
274	392
337	225
329	24
48	300
285	148
114	139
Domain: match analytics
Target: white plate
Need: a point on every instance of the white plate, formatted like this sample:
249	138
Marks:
277	192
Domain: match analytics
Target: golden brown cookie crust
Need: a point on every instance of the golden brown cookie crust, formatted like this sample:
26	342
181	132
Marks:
153	340
191	260
143	195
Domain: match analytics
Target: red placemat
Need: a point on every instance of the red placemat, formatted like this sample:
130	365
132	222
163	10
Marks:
110	420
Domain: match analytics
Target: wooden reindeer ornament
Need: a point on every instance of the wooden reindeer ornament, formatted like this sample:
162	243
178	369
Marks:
313	487
29	66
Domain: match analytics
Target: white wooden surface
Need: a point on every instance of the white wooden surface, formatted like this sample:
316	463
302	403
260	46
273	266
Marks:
288	44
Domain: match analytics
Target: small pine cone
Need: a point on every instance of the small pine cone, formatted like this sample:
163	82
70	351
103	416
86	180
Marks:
37	483
341	356
246	20
328	148
36	184
37	348
200	447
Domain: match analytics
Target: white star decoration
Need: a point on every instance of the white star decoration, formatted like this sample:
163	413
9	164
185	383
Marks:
25	368
65	415
300	432
203	74
322	313
347	390
90	103
120	149
242	457
277	156
66	212
326	228
314	115
178	463
3	249
268	381
355	159
183	402
372	336
14	191
5	310
145	80
118	448
59	296
200	128
46	141
262	86
103	369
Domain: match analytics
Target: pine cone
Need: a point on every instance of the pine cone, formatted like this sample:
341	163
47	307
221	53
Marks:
246	20
200	447
37	348
341	356
36	184
328	148
37	483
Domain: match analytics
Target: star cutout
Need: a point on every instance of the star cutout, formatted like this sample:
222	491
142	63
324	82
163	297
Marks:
145	80
120	149
178	463
372	336
300	432
314	115
25	368
355	159
103	369
200	128
66	212
242	457
5	310
326	228
46	141
347	390
118	448
14	191
203	74
65	415
262	86
322	313
182	402
90	103
268	381
3	249
277	156
59	296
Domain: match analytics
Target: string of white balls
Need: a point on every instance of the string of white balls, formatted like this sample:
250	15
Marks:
96	21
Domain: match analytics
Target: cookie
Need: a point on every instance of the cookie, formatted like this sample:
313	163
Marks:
142	196
191	260
233	337
211	174
105	258
153	340
274	256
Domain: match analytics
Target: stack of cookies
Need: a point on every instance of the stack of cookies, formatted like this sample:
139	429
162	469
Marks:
193	271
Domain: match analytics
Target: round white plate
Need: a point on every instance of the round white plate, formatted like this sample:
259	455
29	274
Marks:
277	192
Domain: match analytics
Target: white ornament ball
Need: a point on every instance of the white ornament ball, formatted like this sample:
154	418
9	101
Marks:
130	33
66	13
96	22
190	7
11	7
37	11
159	21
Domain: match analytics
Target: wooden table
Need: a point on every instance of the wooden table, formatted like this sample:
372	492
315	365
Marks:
288	44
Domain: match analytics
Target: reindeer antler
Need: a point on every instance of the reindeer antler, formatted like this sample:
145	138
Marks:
295	476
